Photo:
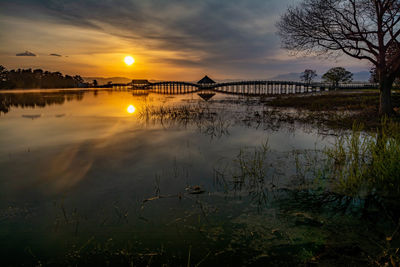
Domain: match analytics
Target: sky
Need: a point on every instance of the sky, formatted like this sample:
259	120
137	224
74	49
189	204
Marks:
169	39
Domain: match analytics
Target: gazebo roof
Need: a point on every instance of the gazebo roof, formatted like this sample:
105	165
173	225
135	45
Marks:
205	80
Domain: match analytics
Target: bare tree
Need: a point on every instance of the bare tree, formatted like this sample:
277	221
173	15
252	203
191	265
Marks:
363	29
308	76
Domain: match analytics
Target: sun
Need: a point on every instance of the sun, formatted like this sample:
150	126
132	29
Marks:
129	60
131	109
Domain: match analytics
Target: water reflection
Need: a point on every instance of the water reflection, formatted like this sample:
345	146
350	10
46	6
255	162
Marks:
32	117
66	169
97	181
131	109
42	99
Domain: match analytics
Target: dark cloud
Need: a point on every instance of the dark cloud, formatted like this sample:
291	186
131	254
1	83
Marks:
219	31
235	35
26	54
56	55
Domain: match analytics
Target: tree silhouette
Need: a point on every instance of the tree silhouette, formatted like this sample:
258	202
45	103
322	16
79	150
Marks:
3	73
3	77
2	69
26	78
363	29
337	75
308	76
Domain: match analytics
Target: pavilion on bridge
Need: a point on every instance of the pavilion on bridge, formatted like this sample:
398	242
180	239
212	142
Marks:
206	82
205	85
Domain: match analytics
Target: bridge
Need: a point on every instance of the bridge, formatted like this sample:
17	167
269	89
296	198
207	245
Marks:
250	88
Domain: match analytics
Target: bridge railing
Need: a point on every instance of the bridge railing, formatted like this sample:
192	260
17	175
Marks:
253	87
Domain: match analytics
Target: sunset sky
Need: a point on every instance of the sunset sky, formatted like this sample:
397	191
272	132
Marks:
170	40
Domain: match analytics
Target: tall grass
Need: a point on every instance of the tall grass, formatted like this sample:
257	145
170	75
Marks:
367	164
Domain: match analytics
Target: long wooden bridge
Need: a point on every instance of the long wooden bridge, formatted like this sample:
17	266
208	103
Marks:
257	87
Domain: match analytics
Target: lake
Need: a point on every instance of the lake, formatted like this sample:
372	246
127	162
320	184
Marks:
148	179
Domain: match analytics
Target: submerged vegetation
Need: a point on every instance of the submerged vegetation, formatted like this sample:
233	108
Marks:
358	178
337	193
208	121
367	164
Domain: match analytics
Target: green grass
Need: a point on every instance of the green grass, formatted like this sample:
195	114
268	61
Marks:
367	164
364	171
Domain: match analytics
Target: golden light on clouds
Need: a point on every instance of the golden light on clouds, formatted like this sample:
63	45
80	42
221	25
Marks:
129	60
131	109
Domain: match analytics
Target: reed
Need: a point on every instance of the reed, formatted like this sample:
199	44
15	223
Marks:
367	164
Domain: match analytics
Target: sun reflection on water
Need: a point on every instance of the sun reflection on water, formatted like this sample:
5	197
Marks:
131	109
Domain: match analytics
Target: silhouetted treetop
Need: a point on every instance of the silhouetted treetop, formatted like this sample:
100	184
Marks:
26	78
337	75
308	75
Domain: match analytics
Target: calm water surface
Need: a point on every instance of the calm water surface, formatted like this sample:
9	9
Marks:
85	171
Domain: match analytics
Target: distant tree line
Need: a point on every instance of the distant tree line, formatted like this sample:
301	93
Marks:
334	76
28	78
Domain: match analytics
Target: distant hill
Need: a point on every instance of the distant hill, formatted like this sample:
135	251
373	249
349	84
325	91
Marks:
362	76
292	77
101	80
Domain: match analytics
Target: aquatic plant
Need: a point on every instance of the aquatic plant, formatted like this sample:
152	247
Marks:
367	164
208	121
362	175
